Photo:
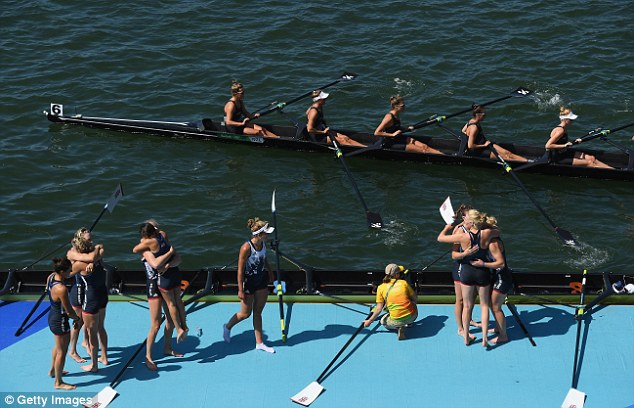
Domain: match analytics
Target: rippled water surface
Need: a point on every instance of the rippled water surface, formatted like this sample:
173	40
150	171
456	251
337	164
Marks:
169	61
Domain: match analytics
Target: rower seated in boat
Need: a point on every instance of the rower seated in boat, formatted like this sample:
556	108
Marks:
478	145
392	135
316	125
558	144
237	117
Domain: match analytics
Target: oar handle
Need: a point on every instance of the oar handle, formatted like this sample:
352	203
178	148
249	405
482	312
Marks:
594	134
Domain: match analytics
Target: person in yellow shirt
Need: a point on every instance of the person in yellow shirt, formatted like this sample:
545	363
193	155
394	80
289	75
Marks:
398	297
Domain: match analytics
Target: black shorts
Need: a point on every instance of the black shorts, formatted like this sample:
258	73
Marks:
455	272
95	299
76	295
254	283
170	279
470	275
503	281
238	130
58	324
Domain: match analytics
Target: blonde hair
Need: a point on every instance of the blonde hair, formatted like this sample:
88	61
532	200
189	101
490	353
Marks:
315	93
481	220
462	211
396	100
255	224
563	111
81	244
236	87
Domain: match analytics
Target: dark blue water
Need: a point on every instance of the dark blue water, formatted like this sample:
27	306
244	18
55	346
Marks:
176	61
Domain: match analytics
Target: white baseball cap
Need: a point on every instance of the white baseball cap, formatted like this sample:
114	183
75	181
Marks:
569	115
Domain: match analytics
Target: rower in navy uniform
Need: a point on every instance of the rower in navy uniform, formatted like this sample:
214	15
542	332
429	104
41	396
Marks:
58	315
254	275
558	144
392	134
480	230
477	143
161	267
86	258
237	117
316	125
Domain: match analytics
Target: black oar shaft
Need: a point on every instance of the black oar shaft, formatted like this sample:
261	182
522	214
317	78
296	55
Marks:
323	374
282	105
596	134
516	315
579	317
563	235
374	219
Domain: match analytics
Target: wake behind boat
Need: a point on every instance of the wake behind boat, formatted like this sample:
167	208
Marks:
295	138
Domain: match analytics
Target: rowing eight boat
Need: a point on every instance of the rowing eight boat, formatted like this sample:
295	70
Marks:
294	137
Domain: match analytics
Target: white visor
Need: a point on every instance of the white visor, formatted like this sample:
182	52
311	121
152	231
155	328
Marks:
322	95
265	228
570	116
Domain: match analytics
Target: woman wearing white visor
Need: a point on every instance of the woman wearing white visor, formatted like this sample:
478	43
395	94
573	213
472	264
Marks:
254	275
558	144
316	125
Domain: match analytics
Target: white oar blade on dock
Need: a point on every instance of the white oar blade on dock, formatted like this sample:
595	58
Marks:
103	398
574	399
308	395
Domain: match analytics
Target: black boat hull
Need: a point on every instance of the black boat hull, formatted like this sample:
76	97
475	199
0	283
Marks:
293	138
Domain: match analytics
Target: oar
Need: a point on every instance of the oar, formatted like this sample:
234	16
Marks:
112	201
579	317
105	396
565	236
519	92
374	219
310	393
516	315
346	76
280	296
594	134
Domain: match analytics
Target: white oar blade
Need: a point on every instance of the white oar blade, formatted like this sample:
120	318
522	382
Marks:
116	196
273	202
574	399
308	395
103	398
446	211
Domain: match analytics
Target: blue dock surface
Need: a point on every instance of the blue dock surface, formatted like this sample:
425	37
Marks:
431	368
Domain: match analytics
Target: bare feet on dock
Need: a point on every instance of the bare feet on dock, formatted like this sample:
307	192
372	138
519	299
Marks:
77	357
104	360
499	340
64	386
89	368
51	373
182	335
150	365
173	353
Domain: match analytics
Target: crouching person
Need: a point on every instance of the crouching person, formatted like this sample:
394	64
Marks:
398	298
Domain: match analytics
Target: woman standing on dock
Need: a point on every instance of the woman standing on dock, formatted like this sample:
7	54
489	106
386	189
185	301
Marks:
479	228
161	266
558	144
58	315
502	285
390	130
253	282
237	117
86	259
